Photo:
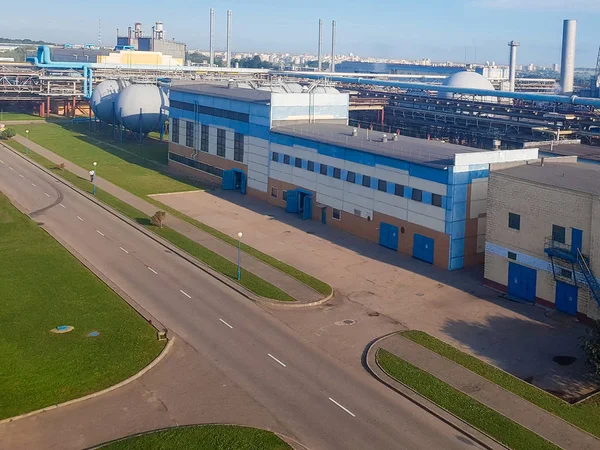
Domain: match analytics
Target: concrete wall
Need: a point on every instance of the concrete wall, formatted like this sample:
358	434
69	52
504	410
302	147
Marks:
305	107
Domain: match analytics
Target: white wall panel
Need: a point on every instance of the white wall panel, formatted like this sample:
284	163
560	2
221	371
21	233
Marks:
363	202
428	186
301	152
334	162
350	207
280	167
479	189
262	143
256	176
281	176
477	207
427	210
390	199
304	183
357	189
427	221
330	191
394	177
258	159
330	181
359	168
254	184
329	201
390	210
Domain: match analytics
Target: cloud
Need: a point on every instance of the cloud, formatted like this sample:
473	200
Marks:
540	5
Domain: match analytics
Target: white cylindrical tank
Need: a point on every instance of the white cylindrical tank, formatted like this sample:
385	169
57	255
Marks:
142	107
104	97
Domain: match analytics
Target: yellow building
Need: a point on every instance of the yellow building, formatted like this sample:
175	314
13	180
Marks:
139	58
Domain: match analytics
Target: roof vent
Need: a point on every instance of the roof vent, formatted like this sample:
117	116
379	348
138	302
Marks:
355	132
384	138
394	137
231	84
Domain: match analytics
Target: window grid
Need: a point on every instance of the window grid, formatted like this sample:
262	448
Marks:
351	177
399	190
298	163
366	181
382	185
436	200
196	165
175	131
274	192
238	147
310	166
221	148
204	138
275	157
189	134
286	159
336	214
323	169
514	221
417	195
559	234
337	173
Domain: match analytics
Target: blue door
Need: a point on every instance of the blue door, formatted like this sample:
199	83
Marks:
423	248
228	180
243	183
292	202
566	298
307	207
522	282
576	240
388	236
324	216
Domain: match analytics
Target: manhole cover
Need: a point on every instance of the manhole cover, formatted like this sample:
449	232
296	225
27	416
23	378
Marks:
345	322
419	295
563	360
373	314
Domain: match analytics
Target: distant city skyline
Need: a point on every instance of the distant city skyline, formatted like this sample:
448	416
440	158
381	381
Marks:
438	30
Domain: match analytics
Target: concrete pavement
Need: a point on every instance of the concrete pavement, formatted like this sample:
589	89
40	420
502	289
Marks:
323	402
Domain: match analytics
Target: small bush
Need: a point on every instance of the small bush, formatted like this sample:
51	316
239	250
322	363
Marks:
8	133
590	344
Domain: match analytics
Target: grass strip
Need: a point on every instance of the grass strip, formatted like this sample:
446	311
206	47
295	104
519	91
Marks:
217	262
585	415
461	405
43	286
18	116
204	437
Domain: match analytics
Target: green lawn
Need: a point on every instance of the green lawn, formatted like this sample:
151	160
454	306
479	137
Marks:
222	265
585	415
207	437
461	405
44	286
18	116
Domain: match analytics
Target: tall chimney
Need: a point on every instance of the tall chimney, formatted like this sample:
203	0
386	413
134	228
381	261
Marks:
513	65
332	46
228	38
212	37
567	65
320	52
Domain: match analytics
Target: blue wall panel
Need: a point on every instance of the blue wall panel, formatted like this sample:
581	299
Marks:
428	173
427	197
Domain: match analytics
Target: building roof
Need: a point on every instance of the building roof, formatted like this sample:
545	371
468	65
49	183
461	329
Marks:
567	175
221	89
589	152
430	153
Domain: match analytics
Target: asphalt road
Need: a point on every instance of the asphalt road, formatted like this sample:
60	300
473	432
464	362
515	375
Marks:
324	403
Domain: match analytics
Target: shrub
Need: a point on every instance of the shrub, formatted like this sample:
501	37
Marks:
8	133
590	344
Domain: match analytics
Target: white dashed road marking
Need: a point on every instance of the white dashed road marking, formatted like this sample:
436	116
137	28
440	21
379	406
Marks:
345	409
185	293
47	195
124	250
275	359
80	218
152	270
21	176
33	184
100	233
10	168
225	323
62	206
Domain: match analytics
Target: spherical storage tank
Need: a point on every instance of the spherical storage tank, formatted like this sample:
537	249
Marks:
142	107
104	96
471	80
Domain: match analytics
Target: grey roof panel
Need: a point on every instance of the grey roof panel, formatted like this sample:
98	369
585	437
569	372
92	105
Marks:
222	90
589	152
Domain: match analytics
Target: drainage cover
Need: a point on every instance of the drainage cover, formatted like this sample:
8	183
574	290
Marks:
94	334
345	322
563	360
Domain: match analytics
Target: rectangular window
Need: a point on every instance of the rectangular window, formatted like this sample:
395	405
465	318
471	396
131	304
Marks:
357	212
286	159
512	255
436	200
514	221
196	165
274	192
204	138
275	157
298	163
189	134
310	166
417	195
399	190
284	195
351	177
337	214
382	185
323	169
221	136
566	273
175	131
366	181
238	147
558	234
337	173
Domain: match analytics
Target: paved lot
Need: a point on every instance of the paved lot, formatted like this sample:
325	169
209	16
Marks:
453	306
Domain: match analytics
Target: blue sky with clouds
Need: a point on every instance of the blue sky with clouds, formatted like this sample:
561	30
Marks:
437	29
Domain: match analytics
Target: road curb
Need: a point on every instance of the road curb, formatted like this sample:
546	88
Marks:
442	414
132	378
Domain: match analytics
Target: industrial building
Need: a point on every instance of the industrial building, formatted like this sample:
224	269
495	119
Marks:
293	148
543	234
156	42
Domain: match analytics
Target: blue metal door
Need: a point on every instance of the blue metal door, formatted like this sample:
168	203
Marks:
324	216
522	282
228	180
243	183
566	298
388	236
307	207
576	240
292	202
423	248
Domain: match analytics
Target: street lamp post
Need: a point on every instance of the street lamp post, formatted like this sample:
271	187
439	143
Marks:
94	176
27	144
240	234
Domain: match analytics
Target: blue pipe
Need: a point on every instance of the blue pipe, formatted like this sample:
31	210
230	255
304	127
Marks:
572	100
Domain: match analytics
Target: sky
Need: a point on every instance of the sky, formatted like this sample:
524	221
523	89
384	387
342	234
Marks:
399	29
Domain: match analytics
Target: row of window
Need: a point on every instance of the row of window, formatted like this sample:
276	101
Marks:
238	144
382	185
336	213
196	165
210	111
559	233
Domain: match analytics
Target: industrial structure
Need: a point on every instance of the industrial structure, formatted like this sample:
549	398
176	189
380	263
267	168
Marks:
293	147
543	234
155	42
567	63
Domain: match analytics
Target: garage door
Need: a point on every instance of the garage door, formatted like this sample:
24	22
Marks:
566	298
388	235
423	248
522	282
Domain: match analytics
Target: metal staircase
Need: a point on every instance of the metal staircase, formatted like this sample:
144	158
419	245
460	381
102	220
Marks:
591	280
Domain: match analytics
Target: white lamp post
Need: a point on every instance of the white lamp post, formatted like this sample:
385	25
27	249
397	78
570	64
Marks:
240	234
27	143
94	176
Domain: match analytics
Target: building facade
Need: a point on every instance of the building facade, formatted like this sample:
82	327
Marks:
543	234
294	149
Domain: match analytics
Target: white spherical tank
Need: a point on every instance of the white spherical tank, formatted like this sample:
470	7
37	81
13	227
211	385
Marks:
104	96
142	107
470	80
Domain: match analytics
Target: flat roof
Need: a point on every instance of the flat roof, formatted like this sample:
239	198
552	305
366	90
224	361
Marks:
575	176
221	89
590	152
430	153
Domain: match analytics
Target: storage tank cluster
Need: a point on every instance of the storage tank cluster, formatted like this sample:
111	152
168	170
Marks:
141	108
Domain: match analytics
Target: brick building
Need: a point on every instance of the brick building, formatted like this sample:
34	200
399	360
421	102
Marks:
292	147
543	234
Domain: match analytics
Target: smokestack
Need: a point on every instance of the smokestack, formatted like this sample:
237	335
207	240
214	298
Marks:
228	38
212	37
513	65
567	65
332	46
320	53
